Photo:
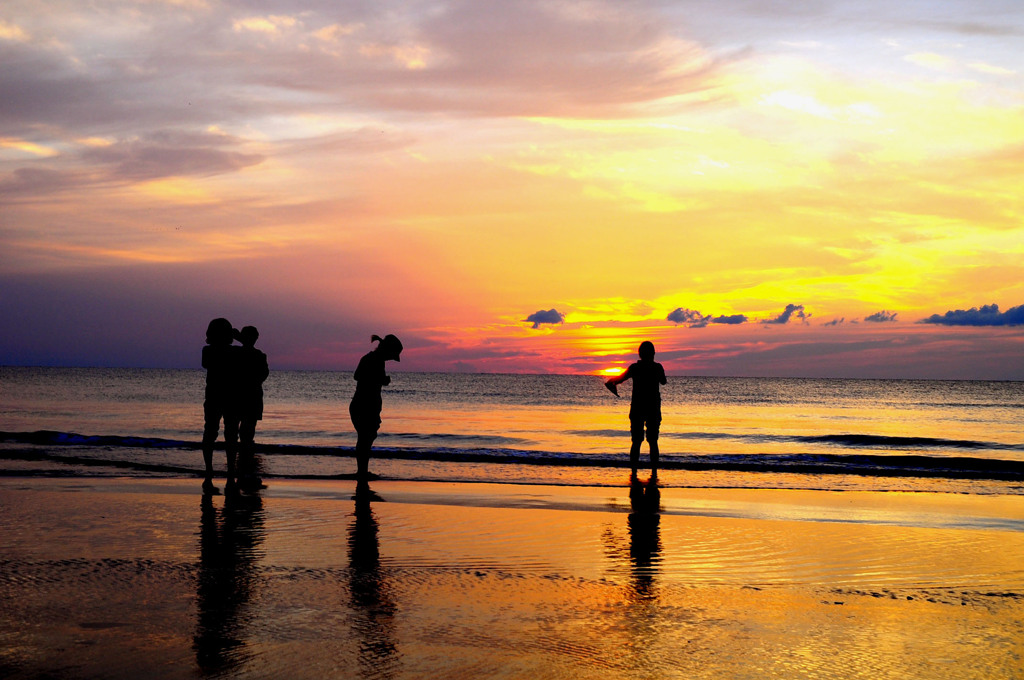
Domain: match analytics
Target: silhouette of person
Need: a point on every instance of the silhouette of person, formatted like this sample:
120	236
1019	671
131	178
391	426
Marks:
366	405
644	534
252	372
645	407
220	359
642	614
637	560
226	580
370	590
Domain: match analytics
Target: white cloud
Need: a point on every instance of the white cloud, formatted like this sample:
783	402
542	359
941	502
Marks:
982	67
25	147
803	44
412	57
9	31
271	24
931	60
857	112
335	31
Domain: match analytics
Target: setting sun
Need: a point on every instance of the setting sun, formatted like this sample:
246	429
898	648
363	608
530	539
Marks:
523	187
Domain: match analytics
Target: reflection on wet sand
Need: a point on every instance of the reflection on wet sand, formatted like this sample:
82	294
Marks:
644	538
637	568
372	597
642	596
309	586
229	547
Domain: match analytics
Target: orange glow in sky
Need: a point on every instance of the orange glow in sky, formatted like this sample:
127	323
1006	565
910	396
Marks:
518	186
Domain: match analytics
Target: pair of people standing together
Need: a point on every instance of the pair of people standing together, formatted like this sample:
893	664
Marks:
234	394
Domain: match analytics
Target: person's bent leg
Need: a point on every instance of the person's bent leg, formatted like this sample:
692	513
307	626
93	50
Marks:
246	441
367	424
248	471
653	430
211	427
208	459
364	444
636	432
231	443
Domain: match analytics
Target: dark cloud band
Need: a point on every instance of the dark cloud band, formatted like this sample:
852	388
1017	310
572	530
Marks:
695	319
987	315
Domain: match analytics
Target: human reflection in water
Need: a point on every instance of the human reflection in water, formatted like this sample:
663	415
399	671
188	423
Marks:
635	564
229	547
644	536
372	600
642	621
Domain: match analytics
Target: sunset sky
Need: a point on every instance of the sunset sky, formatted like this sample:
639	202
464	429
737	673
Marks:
829	188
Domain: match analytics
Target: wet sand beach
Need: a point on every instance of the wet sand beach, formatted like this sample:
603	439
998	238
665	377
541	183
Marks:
124	578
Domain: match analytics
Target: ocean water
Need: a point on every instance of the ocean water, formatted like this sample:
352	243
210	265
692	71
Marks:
956	436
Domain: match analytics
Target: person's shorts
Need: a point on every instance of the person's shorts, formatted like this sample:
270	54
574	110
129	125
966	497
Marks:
213	411
645	420
365	420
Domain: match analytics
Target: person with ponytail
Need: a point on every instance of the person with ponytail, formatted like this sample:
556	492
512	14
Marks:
366	405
